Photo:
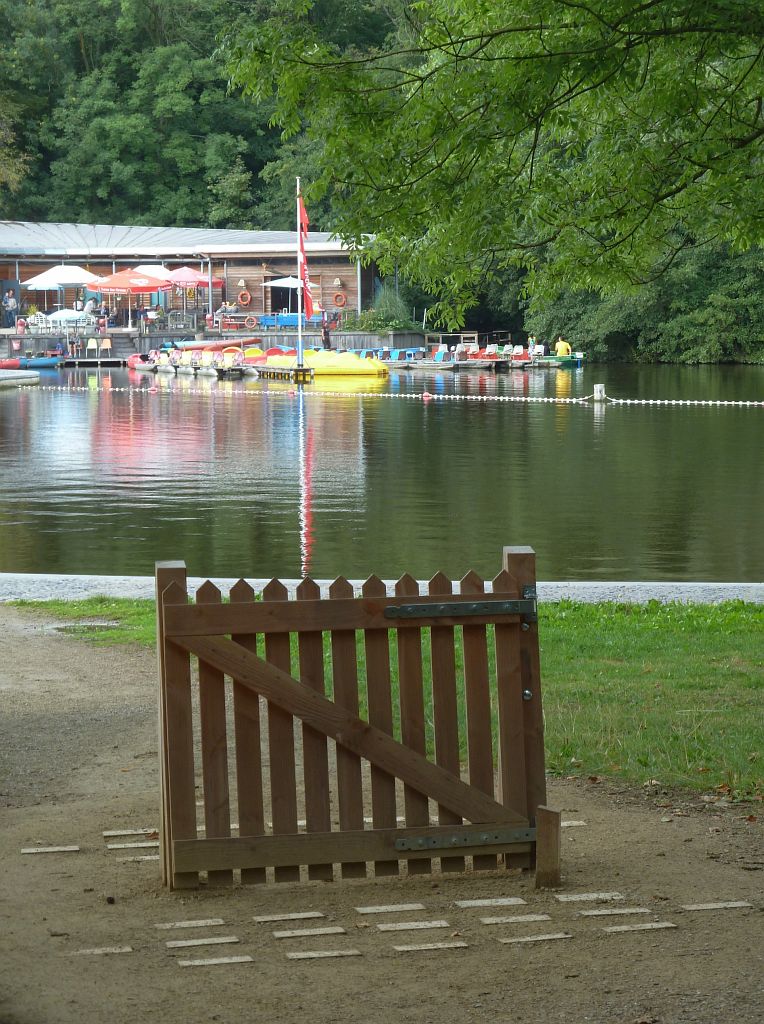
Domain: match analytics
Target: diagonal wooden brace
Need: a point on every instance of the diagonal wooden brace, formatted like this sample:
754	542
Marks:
350	732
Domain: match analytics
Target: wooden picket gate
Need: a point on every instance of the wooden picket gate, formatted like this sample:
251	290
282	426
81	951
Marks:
238	739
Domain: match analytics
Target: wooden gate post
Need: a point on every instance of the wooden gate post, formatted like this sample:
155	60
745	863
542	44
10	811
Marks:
176	743
548	866
520	563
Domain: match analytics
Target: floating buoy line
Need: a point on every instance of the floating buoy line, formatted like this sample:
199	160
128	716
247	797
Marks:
425	396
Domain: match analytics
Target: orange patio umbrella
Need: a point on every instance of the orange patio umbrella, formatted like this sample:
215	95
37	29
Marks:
130	282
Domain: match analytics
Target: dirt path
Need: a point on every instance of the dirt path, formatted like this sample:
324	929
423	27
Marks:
78	757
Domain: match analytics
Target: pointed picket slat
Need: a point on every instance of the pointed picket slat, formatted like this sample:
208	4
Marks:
412	715
509	698
520	563
345	677
179	742
314	750
247	731
166	573
444	706
478	701
281	742
214	742
379	696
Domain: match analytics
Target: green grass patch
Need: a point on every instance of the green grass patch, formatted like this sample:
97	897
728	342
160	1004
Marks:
671	692
103	620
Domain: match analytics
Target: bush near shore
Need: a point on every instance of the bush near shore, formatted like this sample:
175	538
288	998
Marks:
666	692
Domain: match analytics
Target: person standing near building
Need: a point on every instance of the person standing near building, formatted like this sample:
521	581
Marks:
10	306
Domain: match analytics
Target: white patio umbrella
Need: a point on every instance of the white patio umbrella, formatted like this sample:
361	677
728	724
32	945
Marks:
66	275
287	283
68	320
66	315
282	282
154	270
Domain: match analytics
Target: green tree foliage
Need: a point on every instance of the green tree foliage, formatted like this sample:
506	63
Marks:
706	308
296	158
13	163
587	143
126	116
390	313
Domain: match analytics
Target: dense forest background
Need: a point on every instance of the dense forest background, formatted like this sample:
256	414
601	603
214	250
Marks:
119	111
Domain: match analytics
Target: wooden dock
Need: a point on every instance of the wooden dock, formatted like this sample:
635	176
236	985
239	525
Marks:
460	365
292	374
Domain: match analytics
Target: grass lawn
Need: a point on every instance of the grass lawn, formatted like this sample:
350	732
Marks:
670	692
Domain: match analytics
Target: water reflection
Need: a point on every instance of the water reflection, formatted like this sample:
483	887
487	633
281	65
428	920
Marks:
109	471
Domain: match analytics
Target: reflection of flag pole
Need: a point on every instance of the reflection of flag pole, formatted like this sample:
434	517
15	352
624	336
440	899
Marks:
306	493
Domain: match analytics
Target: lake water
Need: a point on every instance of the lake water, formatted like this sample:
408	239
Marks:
107	472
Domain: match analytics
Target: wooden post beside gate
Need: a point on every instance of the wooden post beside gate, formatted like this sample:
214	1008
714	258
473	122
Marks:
449	736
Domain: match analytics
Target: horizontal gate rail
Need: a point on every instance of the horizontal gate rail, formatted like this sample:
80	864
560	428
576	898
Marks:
373	682
318	847
354	613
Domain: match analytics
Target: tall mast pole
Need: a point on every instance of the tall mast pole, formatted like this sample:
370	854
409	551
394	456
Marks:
300	278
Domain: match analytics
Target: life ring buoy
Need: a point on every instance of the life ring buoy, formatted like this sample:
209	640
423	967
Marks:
250	322
244	298
339	299
190	293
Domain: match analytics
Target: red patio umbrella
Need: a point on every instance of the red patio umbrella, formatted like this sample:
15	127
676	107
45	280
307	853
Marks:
130	282
188	277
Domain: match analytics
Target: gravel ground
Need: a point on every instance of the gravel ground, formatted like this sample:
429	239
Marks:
78	758
43	586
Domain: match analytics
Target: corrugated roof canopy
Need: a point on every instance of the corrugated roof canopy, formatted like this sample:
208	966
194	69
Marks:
25	238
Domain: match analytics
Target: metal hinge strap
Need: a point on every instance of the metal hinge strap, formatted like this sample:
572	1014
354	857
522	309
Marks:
483	837
455	609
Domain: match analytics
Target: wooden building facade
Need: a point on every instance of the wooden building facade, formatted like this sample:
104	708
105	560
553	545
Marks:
246	261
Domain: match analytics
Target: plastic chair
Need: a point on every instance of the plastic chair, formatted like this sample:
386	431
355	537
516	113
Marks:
105	345
37	323
92	346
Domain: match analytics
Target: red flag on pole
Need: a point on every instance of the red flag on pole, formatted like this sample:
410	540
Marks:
304	222
307	294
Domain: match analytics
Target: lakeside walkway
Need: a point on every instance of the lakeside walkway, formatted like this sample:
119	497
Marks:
47	587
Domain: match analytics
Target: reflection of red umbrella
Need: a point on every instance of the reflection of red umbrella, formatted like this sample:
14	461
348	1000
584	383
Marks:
130	282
